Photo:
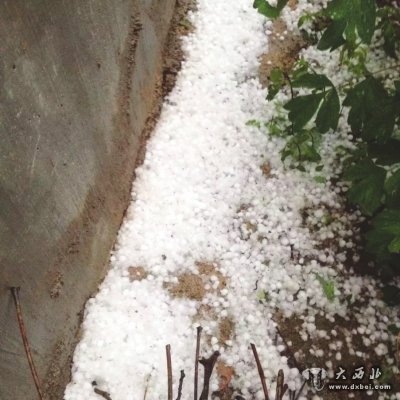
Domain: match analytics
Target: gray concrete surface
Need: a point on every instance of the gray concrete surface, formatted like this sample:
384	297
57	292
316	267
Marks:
78	81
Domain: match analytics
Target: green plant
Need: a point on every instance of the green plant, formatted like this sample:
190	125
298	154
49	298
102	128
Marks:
328	287
373	168
262	295
269	11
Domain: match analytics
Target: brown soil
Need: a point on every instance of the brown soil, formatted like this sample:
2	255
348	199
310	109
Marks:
281	53
225	374
210	269
137	273
192	286
189	286
298	352
226	329
56	283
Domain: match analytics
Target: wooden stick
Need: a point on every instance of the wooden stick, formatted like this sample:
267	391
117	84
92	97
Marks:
260	371
280	386
301	389
15	293
102	393
169	371
208	364
196	362
180	385
146	388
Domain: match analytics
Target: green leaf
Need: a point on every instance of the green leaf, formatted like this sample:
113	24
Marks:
357	15
281	4
383	238
366	20
328	287
329	112
303	147
301	168
378	243
392	189
394	245
388	221
368	183
264	8
278	79
312	81
390	39
320	179
387	153
302	109
254	122
361	99
262	295
304	18
333	38
277	76
375	119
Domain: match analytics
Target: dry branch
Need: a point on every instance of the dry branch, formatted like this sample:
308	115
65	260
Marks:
146	388
208	364
280	386
169	371
196	362
300	391
260	371
102	393
15	293
180	385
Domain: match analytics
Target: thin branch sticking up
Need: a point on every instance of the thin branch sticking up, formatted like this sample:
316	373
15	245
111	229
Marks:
300	391
102	393
281	387
196	362
208	364
15	293
169	371
146	388
180	385
260	371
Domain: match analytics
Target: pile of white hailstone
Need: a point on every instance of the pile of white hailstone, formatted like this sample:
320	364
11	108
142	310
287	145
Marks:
201	195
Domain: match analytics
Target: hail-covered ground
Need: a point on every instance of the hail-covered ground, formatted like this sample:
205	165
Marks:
221	234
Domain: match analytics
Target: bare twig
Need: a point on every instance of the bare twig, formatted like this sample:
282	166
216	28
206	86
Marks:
208	364
300	391
260	371
102	393
15	293
280	386
196	362
146	388
180	385
169	371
